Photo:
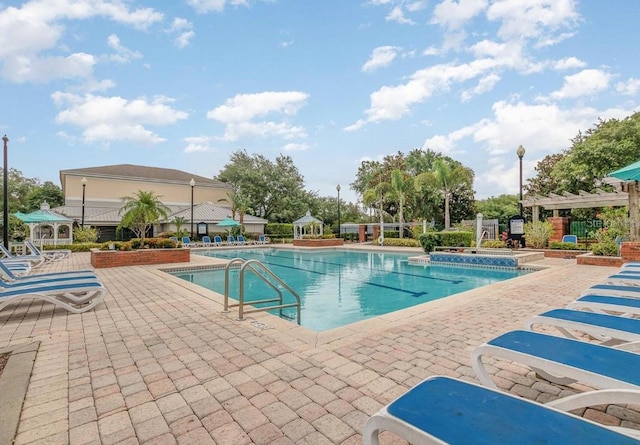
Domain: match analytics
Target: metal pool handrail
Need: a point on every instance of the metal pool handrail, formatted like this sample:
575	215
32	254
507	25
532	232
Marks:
258	269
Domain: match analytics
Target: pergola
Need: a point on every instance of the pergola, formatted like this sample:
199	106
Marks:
300	226
582	200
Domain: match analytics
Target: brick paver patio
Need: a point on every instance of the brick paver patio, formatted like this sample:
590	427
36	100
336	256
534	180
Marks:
158	363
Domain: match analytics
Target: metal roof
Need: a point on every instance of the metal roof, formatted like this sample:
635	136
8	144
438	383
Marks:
42	216
306	219
142	172
209	212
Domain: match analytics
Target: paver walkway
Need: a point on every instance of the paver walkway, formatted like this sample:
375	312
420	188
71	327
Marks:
158	363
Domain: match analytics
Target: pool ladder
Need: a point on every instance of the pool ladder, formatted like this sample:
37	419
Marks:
264	273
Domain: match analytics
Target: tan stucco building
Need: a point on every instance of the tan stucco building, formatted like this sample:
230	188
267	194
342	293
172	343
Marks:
101	190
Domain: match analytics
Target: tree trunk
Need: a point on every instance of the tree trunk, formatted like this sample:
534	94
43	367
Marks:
447	218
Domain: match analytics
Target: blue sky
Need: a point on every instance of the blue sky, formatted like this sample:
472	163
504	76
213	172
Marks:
184	83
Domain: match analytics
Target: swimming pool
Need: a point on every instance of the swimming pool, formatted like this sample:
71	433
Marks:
339	287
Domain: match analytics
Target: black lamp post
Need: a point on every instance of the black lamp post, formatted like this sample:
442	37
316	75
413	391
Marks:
338	189
520	153
5	207
192	183
84	186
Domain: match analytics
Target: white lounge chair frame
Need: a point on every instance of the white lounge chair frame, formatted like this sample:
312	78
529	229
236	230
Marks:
75	299
614	391
608	335
483	423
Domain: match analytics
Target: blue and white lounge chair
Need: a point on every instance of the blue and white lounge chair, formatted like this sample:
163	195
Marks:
443	410
49	255
613	289
241	241
262	239
10	277
76	297
231	240
564	361
206	241
623	279
217	239
33	260
625	306
186	242
613	330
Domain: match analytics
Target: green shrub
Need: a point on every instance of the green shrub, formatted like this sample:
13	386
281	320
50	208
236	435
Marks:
405	242
557	245
458	239
136	244
117	245
391	234
279	229
429	241
493	244
85	247
86	235
536	234
605	248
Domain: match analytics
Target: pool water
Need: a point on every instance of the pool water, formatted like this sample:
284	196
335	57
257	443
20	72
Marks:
339	287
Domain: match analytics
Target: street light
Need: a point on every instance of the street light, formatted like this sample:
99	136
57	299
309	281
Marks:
520	153
192	183
5	207
84	186
338	189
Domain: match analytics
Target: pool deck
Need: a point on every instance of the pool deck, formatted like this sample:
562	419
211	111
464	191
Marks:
159	363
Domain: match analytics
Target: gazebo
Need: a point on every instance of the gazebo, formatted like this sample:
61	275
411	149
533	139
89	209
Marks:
301	226
47	226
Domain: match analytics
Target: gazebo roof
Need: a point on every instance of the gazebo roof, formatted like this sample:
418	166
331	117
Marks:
306	219
42	216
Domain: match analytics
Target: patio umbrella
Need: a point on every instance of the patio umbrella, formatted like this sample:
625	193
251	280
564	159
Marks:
227	223
630	174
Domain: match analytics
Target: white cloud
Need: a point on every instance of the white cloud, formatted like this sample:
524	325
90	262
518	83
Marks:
397	15
25	69
454	14
584	83
631	87
416	5
36	26
568	63
484	85
382	56
393	102
532	18
204	6
238	112
541	129
184	30
198	144
123	55
296	147
115	118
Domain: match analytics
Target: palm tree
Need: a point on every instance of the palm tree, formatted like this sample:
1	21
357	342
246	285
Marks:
239	204
399	186
446	177
179	221
374	196
141	211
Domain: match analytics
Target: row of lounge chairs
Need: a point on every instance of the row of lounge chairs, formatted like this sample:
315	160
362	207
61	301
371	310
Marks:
75	291
217	241
597	345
